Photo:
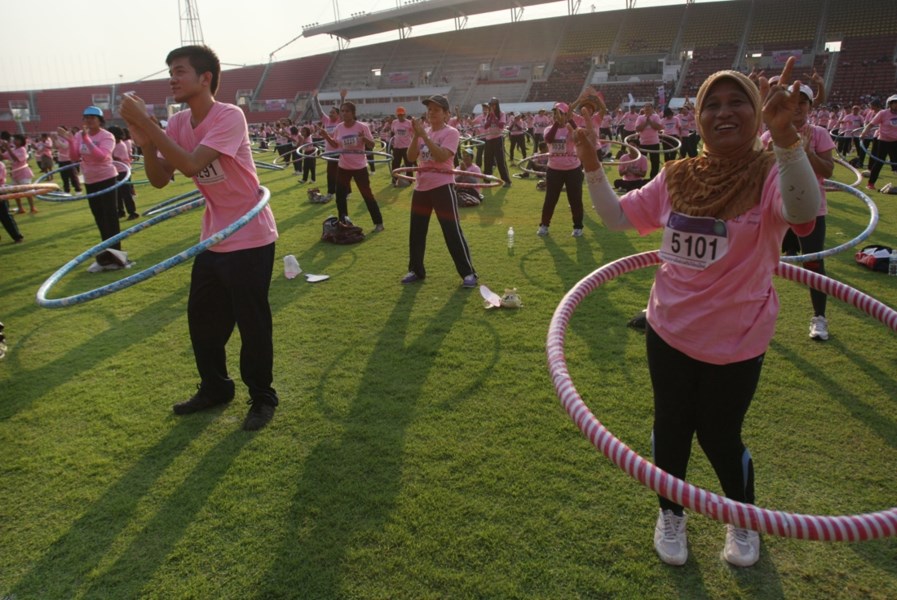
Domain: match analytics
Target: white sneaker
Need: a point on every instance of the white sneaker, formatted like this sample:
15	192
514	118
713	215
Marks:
95	267
819	328
669	538
542	231
742	547
577	233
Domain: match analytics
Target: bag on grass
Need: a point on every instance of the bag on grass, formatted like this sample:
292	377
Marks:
874	257
337	232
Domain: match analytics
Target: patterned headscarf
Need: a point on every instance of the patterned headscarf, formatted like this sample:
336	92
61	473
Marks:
717	184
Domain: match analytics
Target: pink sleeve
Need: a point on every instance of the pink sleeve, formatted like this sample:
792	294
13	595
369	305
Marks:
645	207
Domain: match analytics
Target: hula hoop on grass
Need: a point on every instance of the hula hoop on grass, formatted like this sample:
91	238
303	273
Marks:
167	204
869	153
26	190
615	161
166	264
849	528
663	149
873	222
61	198
333	155
489	181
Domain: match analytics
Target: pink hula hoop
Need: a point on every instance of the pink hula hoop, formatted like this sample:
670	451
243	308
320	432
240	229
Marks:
844	528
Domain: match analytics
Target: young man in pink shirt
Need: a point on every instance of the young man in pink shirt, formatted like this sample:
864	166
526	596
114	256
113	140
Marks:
401	132
229	283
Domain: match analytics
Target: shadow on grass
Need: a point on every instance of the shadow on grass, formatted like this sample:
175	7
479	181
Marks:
66	566
349	485
92	352
883	426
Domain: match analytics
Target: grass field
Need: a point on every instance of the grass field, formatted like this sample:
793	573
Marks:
419	450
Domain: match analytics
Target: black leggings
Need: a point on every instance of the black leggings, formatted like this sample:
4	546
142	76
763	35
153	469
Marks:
693	397
555	181
792	245
494	154
362	180
886	151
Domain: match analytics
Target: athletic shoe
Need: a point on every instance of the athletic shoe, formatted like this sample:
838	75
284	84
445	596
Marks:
577	233
411	277
819	328
21	211
870	186
33	211
132	217
260	414
198	402
670	539
95	267
742	547
507	184
378	227
469	281
542	231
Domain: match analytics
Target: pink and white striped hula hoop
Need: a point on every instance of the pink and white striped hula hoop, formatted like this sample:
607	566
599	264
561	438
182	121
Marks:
846	528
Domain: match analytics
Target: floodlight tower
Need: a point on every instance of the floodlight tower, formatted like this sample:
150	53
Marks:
191	28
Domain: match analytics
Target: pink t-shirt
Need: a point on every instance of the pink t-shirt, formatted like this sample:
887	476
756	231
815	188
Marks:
633	168
629	120
446	137
329	126
62	150
494	125
671	126
401	133
122	157
19	169
473	169
561	150
726	312
95	155
541	123
229	183
351	141
2	173
648	135
887	125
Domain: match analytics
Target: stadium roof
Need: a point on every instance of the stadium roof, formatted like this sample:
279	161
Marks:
414	13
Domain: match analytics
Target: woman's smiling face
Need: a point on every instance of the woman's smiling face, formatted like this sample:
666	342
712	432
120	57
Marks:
727	117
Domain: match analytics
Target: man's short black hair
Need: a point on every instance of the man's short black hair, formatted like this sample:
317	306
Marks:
203	60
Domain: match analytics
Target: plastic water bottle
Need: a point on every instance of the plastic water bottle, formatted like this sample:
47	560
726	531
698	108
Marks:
510	238
892	264
290	266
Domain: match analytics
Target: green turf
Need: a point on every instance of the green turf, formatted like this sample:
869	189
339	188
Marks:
419	450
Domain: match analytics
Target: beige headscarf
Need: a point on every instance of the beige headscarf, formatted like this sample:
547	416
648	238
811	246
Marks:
715	184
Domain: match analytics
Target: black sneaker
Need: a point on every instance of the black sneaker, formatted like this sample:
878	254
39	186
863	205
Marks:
198	402
260	413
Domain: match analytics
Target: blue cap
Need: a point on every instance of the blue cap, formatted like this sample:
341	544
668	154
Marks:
93	111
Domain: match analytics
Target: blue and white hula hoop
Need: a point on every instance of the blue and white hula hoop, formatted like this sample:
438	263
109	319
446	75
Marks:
269	166
67	198
166	264
873	221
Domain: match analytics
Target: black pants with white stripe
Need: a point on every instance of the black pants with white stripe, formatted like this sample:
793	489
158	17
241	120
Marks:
694	398
443	200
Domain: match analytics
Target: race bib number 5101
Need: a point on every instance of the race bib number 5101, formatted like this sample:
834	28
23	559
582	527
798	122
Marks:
694	242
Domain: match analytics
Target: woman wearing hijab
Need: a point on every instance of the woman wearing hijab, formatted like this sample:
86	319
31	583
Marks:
712	308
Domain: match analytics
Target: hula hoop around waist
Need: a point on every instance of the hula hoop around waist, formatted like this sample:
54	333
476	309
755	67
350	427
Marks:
663	150
849	528
333	155
489	181
145	274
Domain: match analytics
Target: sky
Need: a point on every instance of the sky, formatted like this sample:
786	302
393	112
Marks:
106	41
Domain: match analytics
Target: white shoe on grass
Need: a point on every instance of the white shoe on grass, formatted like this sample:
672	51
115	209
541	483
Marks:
670	539
742	547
